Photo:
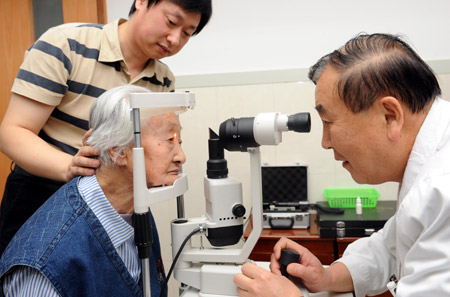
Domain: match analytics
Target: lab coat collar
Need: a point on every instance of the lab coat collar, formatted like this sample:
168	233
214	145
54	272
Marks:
432	135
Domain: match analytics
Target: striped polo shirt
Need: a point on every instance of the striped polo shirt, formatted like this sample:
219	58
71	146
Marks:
69	67
26	281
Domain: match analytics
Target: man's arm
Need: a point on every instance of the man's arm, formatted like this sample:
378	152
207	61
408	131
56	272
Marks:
19	140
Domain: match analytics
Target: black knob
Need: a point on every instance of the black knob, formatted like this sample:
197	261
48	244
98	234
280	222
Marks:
238	210
287	257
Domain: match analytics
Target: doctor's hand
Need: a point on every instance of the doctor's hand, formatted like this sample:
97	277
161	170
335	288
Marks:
82	163
256	281
315	278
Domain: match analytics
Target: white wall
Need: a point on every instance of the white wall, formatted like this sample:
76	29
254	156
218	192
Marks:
257	35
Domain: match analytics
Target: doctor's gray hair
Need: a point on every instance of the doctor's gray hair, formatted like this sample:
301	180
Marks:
378	65
110	121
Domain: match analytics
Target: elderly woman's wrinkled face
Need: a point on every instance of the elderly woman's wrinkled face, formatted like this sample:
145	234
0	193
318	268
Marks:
162	149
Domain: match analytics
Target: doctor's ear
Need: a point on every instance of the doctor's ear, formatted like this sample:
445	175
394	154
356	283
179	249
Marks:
394	116
117	157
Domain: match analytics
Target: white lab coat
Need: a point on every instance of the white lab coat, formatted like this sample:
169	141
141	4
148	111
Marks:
415	243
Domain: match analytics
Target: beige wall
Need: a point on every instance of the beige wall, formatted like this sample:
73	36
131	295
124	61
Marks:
217	104
444	81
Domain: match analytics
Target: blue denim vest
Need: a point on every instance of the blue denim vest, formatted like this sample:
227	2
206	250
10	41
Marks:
65	241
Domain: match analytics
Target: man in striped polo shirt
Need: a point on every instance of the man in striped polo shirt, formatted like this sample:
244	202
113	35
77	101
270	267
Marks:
62	75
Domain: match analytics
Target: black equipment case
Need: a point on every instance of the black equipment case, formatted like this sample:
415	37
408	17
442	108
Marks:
285	196
349	224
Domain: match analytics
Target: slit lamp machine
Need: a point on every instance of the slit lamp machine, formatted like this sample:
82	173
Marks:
203	271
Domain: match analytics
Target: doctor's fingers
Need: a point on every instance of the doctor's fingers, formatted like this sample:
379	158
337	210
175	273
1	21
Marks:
252	271
253	277
313	277
266	284
242	293
242	281
261	286
275	265
245	293
246	286
285	243
297	270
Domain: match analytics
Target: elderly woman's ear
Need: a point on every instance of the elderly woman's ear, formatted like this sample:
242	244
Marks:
118	158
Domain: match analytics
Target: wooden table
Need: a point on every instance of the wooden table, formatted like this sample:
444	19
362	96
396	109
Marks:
322	248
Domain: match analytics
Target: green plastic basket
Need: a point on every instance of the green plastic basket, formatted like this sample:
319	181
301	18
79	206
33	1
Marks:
346	198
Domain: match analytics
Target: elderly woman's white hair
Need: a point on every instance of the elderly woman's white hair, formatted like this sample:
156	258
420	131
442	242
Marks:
110	122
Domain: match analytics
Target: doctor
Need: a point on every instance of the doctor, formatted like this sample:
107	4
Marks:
383	117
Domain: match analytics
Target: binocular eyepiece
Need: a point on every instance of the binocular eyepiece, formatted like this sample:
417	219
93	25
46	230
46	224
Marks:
239	134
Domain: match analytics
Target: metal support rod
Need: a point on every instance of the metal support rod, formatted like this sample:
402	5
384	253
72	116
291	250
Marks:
180	200
180	207
137	127
145	264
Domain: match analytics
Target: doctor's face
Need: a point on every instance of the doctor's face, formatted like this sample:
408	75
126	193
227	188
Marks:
162	149
356	139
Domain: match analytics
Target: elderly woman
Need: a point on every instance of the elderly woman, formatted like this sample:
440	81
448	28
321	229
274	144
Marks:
81	242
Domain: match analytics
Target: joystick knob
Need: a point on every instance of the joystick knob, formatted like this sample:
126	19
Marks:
287	257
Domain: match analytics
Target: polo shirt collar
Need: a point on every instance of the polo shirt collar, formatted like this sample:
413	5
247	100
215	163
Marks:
110	46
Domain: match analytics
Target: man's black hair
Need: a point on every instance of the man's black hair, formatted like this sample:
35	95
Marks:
376	65
204	7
